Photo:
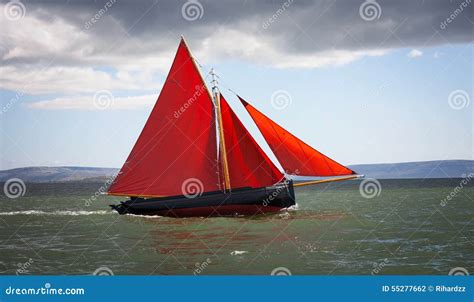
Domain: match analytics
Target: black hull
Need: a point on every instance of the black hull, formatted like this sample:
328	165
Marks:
245	201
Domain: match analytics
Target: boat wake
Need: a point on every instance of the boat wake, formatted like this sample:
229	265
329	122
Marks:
144	216
56	213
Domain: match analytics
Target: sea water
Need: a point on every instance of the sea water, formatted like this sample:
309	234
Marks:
403	227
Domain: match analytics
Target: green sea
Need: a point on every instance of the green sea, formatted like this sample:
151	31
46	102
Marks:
394	227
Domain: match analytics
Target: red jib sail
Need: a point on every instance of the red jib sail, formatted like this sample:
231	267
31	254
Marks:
248	165
295	156
177	147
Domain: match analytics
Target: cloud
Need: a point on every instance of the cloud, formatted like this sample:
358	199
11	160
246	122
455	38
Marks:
96	103
415	53
71	80
261	51
54	48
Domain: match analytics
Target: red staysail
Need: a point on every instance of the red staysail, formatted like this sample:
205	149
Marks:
249	166
178	143
295	156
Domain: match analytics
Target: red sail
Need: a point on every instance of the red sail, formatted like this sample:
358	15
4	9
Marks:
177	147
248	165
295	156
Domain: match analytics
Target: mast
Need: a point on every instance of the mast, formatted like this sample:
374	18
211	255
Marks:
223	154
215	96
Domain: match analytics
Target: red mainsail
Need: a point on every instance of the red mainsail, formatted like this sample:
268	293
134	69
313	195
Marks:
295	156
249	166
178	143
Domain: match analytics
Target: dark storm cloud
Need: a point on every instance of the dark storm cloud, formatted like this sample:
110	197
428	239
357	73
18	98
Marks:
303	26
125	43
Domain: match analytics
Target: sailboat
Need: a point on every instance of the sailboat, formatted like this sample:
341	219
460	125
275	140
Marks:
194	157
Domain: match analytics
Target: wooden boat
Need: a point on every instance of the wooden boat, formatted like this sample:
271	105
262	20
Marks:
194	157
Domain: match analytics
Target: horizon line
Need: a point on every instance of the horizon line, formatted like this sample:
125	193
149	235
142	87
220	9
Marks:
383	163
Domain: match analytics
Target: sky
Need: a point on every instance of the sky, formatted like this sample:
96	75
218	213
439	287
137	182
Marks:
361	81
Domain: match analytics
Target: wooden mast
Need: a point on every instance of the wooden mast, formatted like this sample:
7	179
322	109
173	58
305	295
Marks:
215	96
314	182
222	147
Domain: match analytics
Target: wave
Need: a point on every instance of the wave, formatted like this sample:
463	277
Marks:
57	213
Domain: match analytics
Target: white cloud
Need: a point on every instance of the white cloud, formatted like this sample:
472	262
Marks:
415	53
92	103
43	53
262	51
70	80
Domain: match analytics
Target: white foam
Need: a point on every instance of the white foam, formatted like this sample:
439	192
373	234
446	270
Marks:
235	253
56	213
294	207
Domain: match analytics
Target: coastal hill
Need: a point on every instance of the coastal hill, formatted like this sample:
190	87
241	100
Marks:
426	169
58	174
423	169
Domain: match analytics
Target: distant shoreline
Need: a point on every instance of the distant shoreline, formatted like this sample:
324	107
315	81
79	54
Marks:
407	170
